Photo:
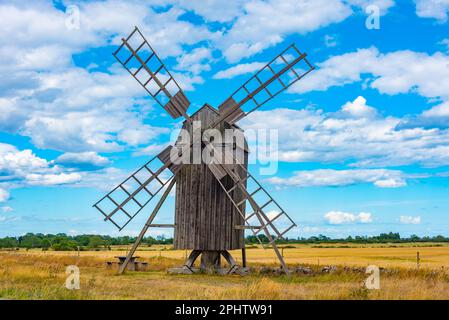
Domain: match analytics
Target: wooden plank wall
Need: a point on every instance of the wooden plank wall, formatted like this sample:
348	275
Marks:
205	218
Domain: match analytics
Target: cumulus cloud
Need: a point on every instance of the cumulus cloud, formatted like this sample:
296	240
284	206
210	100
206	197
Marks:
16	162
383	5
390	183
340	217
4	195
330	41
435	9
196	61
391	73
440	110
19	168
239	69
72	109
254	27
381	178
354	134
358	108
83	160
258	28
7	219
88	112
215	10
410	220
150	150
52	179
445	43
7	209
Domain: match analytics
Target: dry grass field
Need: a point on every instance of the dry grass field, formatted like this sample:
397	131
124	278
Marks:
36	274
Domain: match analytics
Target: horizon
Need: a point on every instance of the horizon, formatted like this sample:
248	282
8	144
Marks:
363	140
384	236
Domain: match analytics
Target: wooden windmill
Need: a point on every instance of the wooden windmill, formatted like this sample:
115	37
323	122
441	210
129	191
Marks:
211	198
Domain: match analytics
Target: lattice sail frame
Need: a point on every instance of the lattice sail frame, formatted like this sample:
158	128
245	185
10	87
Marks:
137	56
127	199
276	76
266	210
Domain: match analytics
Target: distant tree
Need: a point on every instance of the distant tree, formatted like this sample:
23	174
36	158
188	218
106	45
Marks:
96	242
439	238
65	245
45	244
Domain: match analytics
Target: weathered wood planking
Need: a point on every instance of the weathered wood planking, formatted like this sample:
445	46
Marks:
205	218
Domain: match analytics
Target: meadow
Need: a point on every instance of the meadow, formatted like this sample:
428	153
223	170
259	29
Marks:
37	274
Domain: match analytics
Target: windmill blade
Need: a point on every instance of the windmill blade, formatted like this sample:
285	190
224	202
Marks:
127	199
138	57
272	219
276	76
268	224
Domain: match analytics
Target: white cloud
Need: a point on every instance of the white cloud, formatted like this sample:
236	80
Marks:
215	10
7	209
15	162
410	220
82	159
264	24
358	108
257	25
308	229
101	179
383	5
436	9
52	179
23	165
381	178
150	150
310	135
365	217
330	41
390	183
69	108
137	136
445	43
392	73
19	168
196	61
441	110
4	195
239	69
340	217
41	24
7	219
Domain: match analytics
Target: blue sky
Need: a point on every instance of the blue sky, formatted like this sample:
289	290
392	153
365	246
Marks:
363	140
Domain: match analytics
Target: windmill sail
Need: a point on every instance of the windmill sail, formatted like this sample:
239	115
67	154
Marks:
280	73
269	215
141	61
127	199
274	223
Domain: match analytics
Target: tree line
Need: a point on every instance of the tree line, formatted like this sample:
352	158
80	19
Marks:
64	242
381	238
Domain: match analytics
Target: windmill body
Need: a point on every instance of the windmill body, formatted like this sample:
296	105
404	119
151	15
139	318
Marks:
205	218
217	199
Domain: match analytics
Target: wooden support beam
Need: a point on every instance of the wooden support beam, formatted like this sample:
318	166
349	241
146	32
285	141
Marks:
161	225
147	225
244	257
240	227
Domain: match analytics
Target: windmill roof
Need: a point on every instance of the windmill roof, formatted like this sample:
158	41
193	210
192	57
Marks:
211	108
